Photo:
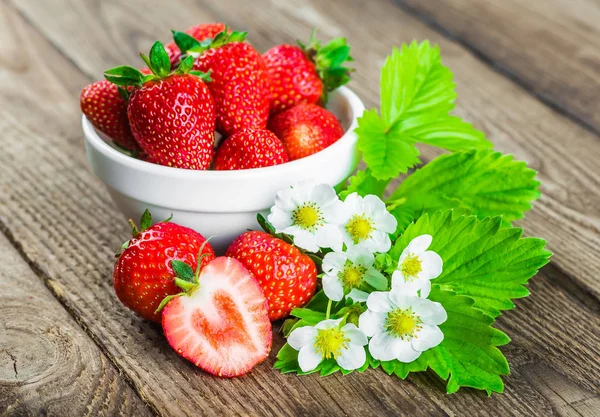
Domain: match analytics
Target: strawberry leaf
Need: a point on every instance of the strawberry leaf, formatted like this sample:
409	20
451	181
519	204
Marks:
182	270
482	260
484	183
364	183
468	356
416	93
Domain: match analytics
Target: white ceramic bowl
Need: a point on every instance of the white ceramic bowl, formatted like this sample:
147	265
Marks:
222	204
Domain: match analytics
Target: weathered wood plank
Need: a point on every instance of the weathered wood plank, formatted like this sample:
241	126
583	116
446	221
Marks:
48	365
73	251
565	154
552	47
66	226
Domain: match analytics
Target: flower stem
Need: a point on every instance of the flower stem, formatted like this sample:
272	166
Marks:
328	310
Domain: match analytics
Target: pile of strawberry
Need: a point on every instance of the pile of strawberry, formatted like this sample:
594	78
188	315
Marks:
268	108
215	311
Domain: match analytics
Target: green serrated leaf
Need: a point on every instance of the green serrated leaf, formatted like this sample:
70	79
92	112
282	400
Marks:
146	220
485	183
364	183
488	263
417	93
182	270
387	153
469	355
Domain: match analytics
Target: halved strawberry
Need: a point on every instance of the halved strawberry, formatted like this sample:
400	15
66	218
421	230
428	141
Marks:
221	323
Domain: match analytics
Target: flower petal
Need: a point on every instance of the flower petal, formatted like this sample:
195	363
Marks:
406	353
360	256
385	221
400	299
284	199
379	241
329	236
428	337
425	288
432	265
358	295
371	323
430	312
328	324
352	358
302	336
279	219
309	358
375	279
379	301
355	335
384	347
334	262
419	244
333	288
401	287
353	204
305	240
323	195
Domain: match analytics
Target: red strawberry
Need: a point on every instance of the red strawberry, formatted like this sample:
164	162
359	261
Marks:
198	32
106	109
287	276
222	323
250	148
306	74
143	274
306	129
172	114
240	85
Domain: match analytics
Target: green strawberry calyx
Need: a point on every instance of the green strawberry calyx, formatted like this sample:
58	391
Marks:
191	46
329	60
185	277
158	62
145	222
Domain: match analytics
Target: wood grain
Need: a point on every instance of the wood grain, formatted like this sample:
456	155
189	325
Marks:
565	154
61	218
48	365
552	47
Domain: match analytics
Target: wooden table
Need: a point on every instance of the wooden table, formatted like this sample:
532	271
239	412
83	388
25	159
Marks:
528	74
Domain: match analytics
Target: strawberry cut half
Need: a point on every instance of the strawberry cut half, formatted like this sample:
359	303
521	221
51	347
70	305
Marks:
221	324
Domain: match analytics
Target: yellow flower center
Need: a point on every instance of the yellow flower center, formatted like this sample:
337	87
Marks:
352	275
411	267
402	323
330	342
307	216
359	228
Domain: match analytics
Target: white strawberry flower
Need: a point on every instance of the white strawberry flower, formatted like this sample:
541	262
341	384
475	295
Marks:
329	340
367	223
310	213
417	266
348	273
401	327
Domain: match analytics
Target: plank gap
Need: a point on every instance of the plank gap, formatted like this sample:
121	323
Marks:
495	66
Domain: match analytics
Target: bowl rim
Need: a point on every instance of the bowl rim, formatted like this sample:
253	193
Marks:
93	138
